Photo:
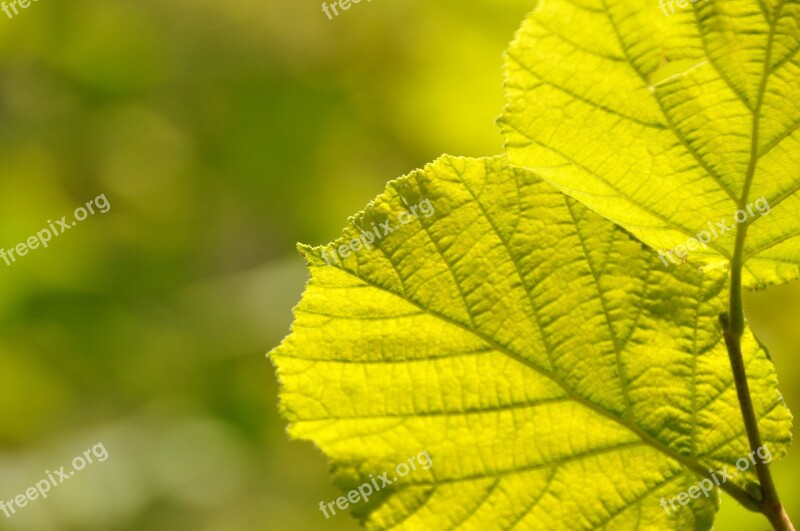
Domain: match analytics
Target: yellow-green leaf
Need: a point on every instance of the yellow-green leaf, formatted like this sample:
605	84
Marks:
667	120
557	375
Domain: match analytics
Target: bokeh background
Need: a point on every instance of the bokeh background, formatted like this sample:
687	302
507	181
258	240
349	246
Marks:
221	134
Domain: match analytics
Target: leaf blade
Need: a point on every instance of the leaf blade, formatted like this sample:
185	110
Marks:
420	344
666	124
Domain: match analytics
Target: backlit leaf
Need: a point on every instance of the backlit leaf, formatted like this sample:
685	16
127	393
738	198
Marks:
667	120
557	374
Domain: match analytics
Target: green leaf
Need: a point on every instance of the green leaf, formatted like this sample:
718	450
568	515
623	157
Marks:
558	376
667	125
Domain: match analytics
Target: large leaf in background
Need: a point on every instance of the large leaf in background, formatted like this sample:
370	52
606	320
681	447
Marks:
557	375
663	123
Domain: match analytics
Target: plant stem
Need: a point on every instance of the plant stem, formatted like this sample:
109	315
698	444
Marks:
733	329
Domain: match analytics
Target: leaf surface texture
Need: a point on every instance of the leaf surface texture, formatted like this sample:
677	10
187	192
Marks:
667	124
558	375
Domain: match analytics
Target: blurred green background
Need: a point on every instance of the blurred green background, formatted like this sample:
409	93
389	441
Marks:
221	134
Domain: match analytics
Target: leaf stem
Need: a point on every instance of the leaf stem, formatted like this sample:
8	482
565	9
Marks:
733	328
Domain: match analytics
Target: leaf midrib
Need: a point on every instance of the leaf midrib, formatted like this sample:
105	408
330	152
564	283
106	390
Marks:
756	113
